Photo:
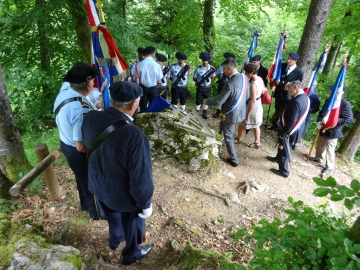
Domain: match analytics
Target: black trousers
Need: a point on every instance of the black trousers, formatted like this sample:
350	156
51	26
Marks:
126	226
282	158
201	94
279	109
149	95
78	164
176	93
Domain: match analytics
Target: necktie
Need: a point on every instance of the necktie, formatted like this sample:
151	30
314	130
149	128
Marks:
287	70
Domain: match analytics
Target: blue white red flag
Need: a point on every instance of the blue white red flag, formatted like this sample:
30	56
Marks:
318	68
252	48
275	70
92	13
331	108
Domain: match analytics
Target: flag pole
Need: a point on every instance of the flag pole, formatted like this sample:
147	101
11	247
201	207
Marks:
313	144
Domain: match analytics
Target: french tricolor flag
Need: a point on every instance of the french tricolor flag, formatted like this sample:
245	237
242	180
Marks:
319	66
331	108
92	13
275	69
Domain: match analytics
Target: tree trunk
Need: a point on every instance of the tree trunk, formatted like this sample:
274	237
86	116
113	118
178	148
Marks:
354	233
331	57
208	26
44	36
122	8
81	25
351	143
13	161
312	34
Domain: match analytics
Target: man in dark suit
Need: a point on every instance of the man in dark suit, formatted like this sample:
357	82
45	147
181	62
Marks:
325	147
232	99
293	117
262	71
120	173
289	72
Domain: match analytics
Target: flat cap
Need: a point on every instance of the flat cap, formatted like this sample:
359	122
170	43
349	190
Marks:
204	56
80	72
229	55
181	55
256	58
149	49
160	57
331	87
124	91
294	55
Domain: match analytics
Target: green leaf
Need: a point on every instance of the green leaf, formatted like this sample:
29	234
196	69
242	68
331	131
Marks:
355	185
290	200
349	204
331	181
220	220
345	191
239	234
336	197
298	204
356	201
321	192
320	182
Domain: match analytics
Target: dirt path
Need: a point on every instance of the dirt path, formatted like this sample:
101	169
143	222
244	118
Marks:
182	213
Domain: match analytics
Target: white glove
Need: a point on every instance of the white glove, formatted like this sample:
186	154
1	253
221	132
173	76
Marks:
146	212
273	89
319	125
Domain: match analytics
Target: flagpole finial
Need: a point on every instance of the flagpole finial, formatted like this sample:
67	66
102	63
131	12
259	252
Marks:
99	5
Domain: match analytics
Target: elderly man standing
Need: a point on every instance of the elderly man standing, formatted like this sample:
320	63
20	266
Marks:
289	72
120	173
149	74
70	107
326	144
232	99
292	118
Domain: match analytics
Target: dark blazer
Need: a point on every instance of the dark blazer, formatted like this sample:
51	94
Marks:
294	75
120	173
295	108
262	73
228	96
345	117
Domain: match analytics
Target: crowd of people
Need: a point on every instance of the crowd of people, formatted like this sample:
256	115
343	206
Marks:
93	141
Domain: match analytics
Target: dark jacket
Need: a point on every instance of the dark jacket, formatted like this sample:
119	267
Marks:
262	73
345	117
294	75
120	173
295	108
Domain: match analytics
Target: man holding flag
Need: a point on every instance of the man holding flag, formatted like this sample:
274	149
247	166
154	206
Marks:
338	114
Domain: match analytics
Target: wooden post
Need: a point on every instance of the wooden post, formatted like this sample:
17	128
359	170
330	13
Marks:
52	183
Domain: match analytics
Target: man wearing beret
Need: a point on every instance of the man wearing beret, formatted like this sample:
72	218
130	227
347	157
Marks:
70	107
149	74
120	173
221	78
180	90
203	91
326	143
262	72
162	86
289	72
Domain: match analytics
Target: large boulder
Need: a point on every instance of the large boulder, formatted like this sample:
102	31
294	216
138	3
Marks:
33	257
170	138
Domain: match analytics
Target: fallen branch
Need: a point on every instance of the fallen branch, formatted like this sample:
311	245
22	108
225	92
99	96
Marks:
227	201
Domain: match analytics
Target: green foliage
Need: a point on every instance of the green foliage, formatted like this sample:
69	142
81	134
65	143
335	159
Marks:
8	206
339	192
309	238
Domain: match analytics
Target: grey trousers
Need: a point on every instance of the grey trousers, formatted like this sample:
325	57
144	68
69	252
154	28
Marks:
227	131
325	151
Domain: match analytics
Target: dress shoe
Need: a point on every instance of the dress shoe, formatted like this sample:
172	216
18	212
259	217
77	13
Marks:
295	146
217	113
315	159
205	116
279	173
232	163
325	172
273	159
145	250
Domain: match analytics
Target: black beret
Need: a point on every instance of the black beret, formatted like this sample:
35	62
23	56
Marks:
294	55
331	87
204	56
150	49
80	73
229	55
125	91
160	57
256	58
181	55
